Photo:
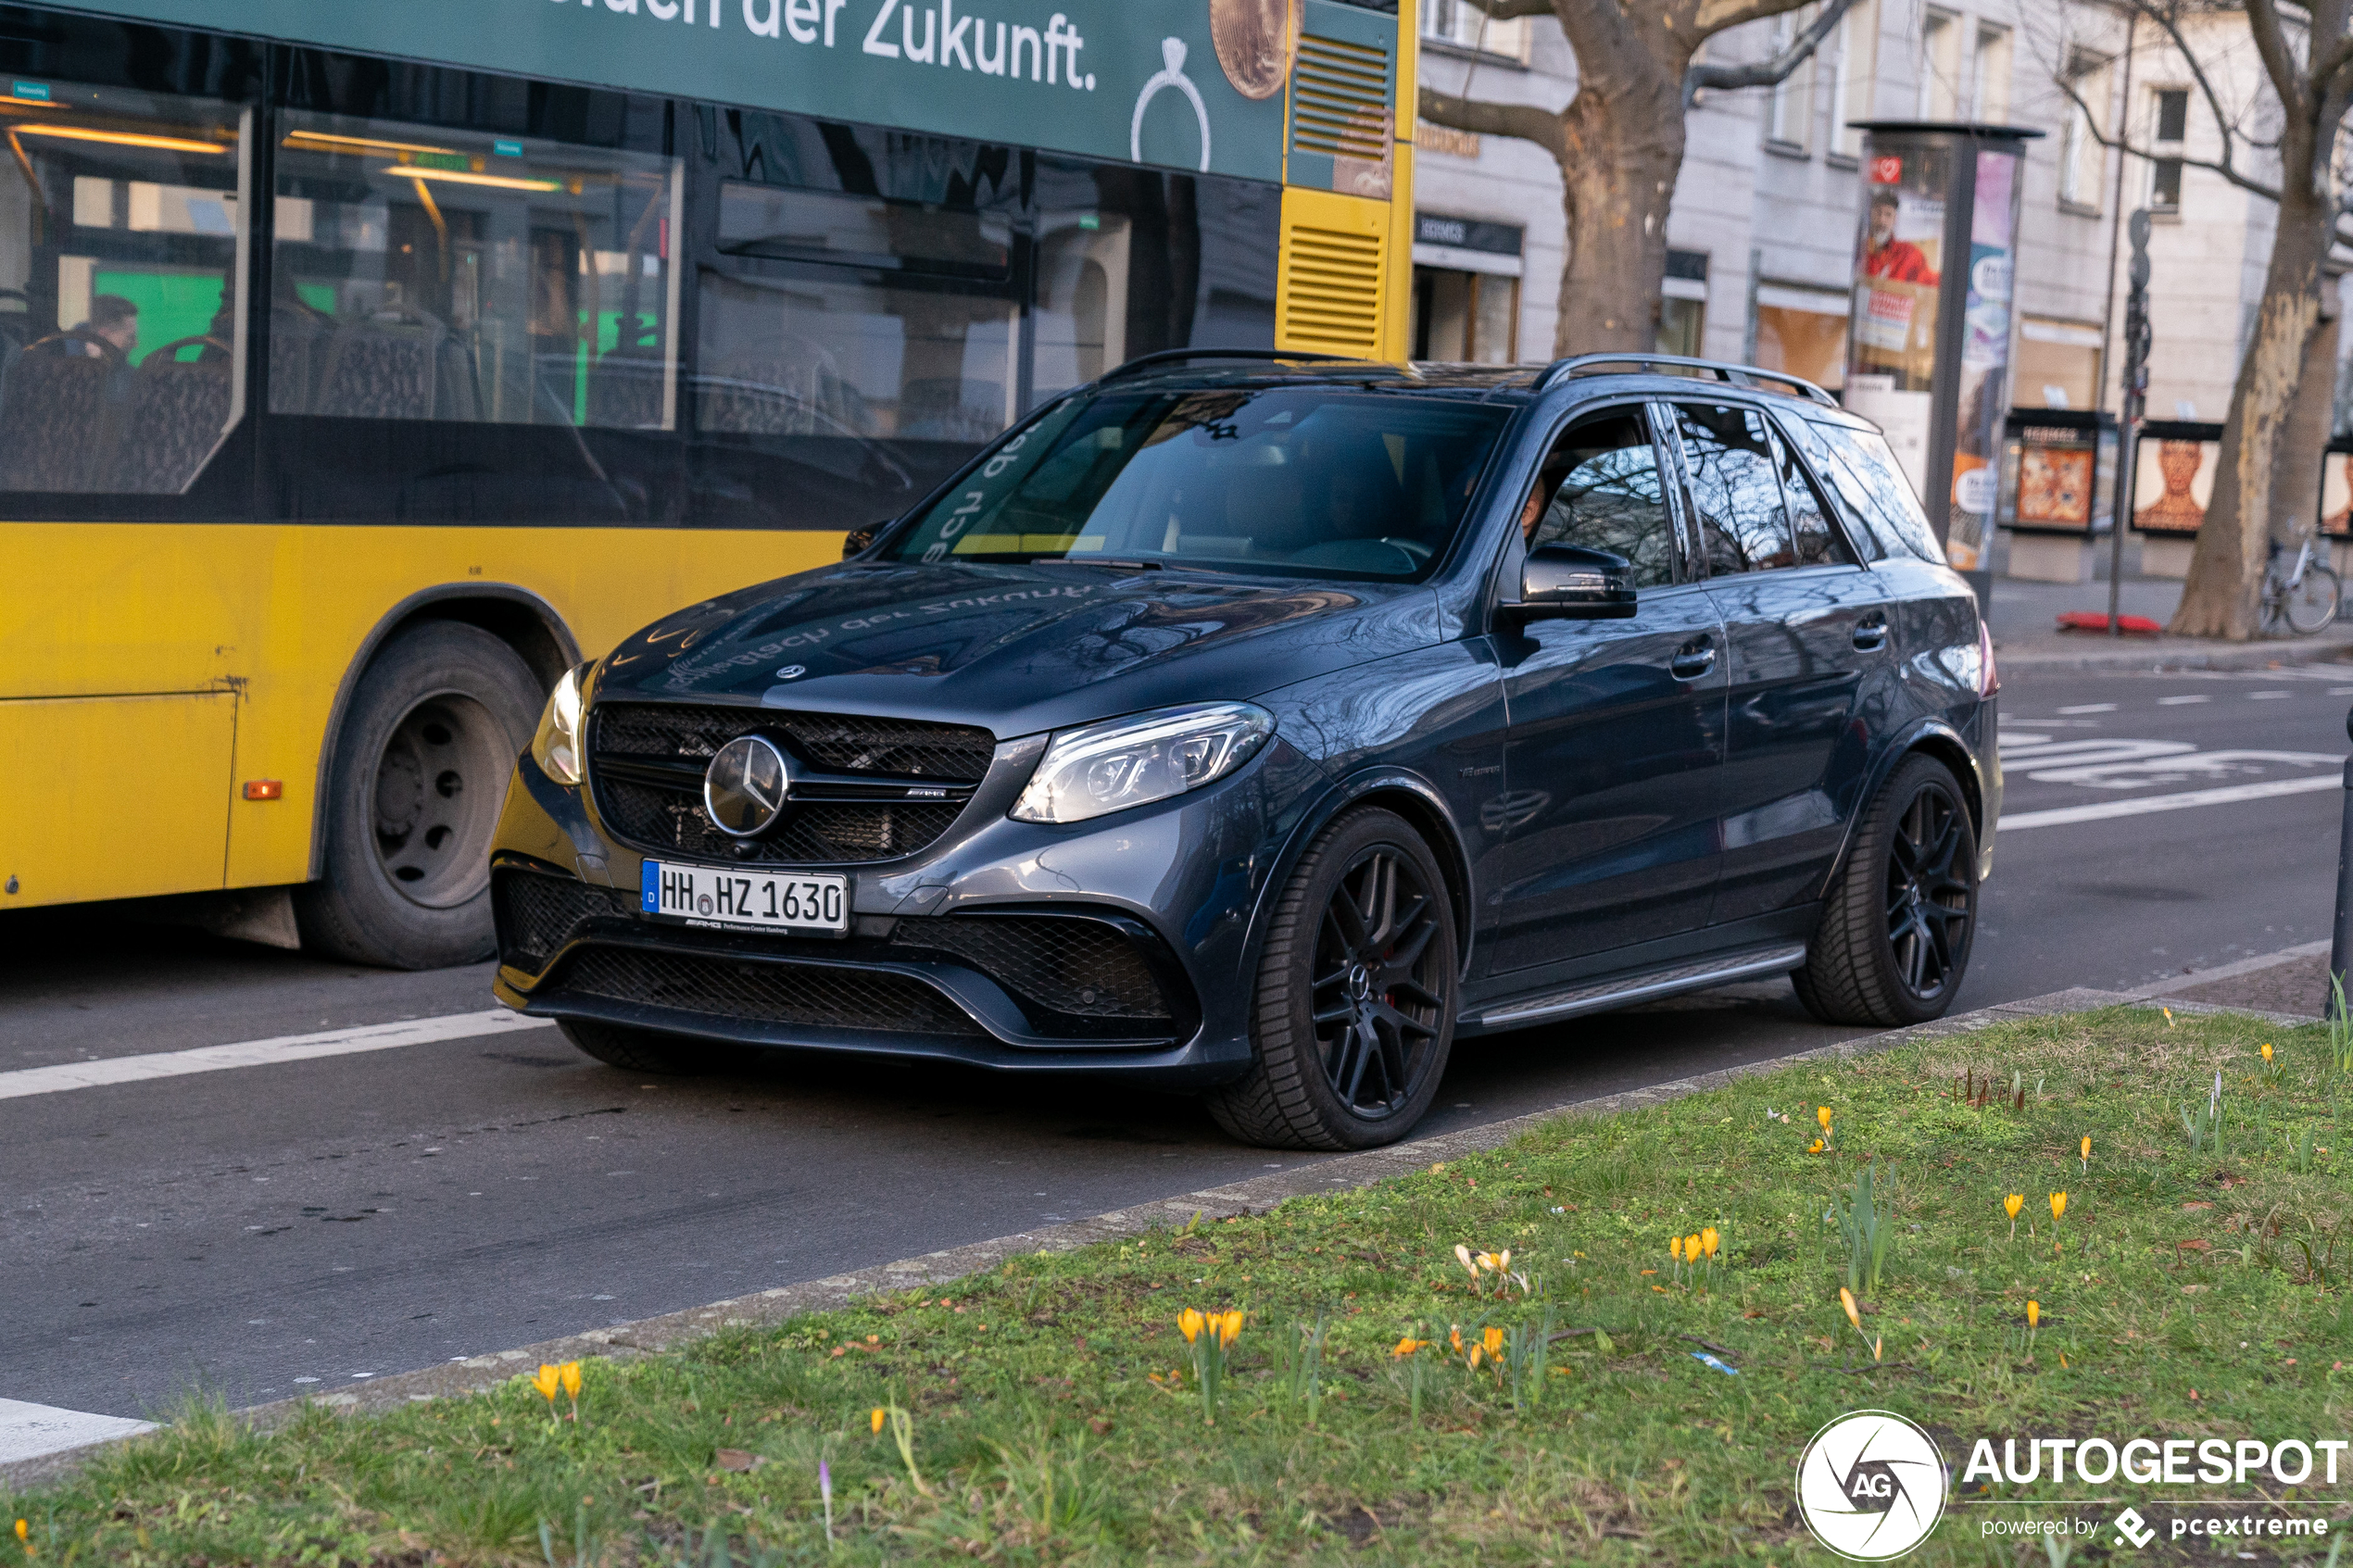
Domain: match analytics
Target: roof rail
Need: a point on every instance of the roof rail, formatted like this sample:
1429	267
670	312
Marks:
1178	356
1732	374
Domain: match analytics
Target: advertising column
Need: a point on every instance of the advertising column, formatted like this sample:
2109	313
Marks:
1929	355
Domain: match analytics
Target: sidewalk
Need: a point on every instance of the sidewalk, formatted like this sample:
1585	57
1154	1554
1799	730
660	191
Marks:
2026	636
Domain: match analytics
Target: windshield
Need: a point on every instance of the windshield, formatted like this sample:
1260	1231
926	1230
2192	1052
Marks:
1294	481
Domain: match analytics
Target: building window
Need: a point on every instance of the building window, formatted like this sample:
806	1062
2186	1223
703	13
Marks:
1465	317
1803	329
1990	77
1683	310
1789	112
2082	157
1466	27
2058	363
1940	65
2170	110
1857	72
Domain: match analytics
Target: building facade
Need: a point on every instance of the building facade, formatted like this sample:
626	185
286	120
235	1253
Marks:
1763	229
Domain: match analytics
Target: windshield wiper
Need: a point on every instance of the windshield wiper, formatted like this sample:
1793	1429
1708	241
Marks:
1115	562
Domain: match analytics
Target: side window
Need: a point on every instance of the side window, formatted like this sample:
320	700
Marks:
426	273
1601	488
1879	490
121	329
1814	535
1840	490
1735	488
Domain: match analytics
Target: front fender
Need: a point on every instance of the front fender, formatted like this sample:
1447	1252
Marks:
1413	798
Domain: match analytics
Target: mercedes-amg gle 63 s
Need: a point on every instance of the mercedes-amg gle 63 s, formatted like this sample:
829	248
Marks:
1260	726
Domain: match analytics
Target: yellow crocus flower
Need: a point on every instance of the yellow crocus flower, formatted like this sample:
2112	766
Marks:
1190	1323
1229	1328
876	1420
1707	1240
2013	1203
2034	1314
1854	1314
2058	1204
570	1374
1675	1247
1822	1114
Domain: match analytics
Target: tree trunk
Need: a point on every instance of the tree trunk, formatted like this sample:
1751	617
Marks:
1616	181
2222	597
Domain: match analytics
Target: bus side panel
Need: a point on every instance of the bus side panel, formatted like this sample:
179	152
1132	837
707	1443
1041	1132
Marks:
114	796
1333	274
278	615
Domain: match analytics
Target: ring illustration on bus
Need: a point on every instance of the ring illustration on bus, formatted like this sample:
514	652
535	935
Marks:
1172	52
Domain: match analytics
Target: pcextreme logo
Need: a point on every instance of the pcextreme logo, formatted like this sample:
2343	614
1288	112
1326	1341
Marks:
1871	1486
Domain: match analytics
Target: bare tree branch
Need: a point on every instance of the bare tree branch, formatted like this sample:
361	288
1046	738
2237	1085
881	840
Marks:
1508	10
2124	144
1715	15
2167	20
1524	121
1769	73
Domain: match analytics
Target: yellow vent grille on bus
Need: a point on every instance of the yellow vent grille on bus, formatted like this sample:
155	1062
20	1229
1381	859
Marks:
1331	294
1339	99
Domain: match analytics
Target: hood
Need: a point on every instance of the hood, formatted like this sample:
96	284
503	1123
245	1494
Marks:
1014	648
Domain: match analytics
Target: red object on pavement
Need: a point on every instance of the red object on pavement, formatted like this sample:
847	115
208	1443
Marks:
2093	621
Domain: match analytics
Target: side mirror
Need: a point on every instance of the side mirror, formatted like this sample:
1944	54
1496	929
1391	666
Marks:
1571	582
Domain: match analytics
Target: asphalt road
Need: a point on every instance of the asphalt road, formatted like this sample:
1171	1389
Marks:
264	1231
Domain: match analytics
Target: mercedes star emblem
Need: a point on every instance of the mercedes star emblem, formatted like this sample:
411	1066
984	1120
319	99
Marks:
744	788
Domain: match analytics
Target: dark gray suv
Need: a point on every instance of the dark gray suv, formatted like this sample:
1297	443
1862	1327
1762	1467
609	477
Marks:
1260	725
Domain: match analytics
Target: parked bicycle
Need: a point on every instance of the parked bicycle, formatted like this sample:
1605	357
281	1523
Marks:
2299	591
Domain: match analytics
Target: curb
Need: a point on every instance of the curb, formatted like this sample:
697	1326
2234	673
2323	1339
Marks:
646	1336
2174	653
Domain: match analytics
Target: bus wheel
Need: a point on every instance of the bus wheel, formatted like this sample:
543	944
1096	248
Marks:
420	768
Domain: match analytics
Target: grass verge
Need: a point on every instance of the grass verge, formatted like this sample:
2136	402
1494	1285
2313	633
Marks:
1050	1411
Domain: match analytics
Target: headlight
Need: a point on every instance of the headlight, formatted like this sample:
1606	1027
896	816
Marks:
556	745
1109	767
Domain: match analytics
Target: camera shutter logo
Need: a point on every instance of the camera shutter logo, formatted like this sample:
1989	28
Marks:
744	788
1871	1486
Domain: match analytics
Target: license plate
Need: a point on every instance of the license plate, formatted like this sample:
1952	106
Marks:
809	901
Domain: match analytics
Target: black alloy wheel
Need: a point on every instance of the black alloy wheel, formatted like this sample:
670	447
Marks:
1893	945
1356	992
1930	903
1376	1010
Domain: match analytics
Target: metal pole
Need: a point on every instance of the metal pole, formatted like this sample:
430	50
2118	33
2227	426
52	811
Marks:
2108	328
2128	427
2341	942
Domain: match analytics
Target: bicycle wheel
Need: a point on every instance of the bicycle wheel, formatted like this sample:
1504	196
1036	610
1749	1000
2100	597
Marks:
2310	604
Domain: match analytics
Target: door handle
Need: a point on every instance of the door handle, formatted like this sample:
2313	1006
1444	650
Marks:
1692	660
1871	634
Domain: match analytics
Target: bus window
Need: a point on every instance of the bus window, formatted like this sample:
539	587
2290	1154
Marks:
121	347
426	273
922	349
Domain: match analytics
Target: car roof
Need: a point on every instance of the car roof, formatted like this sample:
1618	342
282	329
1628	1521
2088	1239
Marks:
1651	374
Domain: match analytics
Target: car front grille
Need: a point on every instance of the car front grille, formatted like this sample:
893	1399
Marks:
805	995
537	914
1086	968
670	819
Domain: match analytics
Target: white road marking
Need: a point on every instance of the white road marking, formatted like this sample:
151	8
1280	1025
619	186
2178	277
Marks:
2179	701
29	1430
2264	697
262	1053
2012	822
2091	707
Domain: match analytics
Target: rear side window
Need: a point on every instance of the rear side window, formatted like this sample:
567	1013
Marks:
1734	487
1866	476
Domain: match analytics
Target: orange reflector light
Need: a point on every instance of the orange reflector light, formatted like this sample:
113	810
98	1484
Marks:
264	789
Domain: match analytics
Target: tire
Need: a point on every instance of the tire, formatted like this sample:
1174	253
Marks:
643	1050
2312	604
1894	943
1353	1014
422	766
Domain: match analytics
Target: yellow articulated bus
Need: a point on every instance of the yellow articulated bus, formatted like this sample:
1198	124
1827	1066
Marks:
363	369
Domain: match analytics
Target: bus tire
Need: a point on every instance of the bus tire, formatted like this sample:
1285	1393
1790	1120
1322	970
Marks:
421	765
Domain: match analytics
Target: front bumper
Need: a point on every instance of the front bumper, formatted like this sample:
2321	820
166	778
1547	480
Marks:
988	948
